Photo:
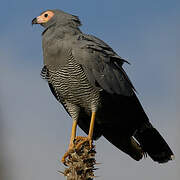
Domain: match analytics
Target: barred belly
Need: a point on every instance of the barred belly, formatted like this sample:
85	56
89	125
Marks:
72	86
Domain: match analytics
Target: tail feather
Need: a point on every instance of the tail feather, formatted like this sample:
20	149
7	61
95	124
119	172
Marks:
126	144
153	143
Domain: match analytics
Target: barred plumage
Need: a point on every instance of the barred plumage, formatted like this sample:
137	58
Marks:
71	85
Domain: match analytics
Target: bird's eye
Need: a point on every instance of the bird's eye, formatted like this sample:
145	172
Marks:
45	15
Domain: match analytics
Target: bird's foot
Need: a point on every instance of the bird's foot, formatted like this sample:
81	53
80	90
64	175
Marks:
67	153
75	146
81	140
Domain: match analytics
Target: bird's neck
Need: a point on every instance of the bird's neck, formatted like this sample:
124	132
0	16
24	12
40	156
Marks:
62	32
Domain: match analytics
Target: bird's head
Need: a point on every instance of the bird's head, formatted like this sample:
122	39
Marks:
56	17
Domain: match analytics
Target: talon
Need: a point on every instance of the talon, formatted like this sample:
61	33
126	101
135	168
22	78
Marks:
63	160
70	149
82	140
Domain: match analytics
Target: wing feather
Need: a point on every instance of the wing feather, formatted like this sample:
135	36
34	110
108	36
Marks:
102	65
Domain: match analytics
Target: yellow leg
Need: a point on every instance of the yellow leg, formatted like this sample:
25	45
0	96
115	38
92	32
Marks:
73	133
90	134
91	128
71	144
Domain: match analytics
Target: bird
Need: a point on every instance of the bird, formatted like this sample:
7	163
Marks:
87	77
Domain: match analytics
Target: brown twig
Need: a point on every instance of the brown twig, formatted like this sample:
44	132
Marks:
80	163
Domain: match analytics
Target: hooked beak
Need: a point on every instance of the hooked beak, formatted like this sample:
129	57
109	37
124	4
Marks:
34	21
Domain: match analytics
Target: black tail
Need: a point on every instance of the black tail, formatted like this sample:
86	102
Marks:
154	144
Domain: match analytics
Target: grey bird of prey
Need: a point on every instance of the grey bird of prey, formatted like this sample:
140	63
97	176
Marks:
86	77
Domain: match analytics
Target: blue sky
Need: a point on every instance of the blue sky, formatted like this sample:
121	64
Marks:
35	128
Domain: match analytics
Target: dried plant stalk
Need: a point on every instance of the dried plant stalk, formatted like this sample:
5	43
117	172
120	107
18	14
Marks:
81	163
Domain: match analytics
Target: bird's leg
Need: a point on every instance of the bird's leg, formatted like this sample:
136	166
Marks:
90	135
71	144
